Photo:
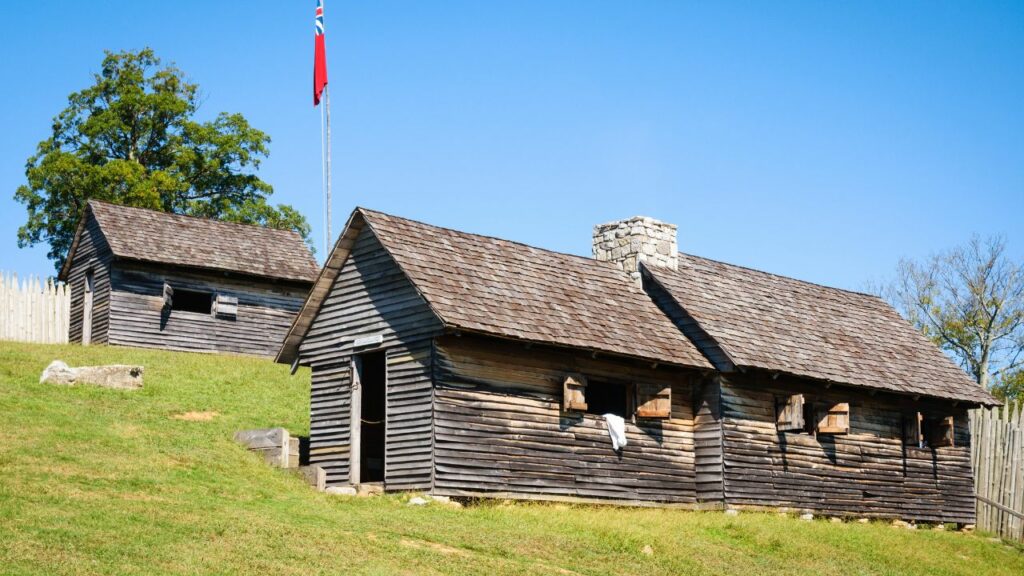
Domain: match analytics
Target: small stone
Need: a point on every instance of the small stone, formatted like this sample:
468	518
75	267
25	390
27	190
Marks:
732	512
807	517
648	551
967	528
900	524
940	527
835	520
417	501
341	490
371	489
863	520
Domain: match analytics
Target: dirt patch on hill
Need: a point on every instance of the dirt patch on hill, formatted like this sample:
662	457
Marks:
196	416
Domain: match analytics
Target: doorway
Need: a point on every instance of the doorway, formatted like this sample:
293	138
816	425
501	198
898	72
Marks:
87	309
369	401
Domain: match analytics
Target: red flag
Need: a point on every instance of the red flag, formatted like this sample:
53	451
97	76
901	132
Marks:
320	55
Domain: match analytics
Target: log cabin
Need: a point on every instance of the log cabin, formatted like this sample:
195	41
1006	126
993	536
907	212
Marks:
469	366
152	279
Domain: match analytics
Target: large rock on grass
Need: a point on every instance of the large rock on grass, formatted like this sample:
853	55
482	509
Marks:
117	376
278	447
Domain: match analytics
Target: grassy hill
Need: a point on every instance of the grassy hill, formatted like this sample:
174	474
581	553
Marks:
99	481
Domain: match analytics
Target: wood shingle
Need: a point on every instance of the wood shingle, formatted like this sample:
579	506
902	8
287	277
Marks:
159	237
511	290
762	320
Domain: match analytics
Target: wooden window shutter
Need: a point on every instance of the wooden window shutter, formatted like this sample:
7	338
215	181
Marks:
574	393
836	420
226	306
168	295
653	400
912	432
790	413
942	433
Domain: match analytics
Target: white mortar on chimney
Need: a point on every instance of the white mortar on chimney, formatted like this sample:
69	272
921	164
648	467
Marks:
638	239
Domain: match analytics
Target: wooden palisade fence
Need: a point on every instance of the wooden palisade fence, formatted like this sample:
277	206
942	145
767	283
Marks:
997	455
33	310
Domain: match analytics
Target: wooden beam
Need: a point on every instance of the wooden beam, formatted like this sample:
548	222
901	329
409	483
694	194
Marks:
1009	511
355	421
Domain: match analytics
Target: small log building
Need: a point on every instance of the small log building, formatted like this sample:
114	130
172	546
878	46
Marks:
466	365
151	279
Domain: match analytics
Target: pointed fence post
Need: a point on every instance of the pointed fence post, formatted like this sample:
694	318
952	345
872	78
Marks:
34	309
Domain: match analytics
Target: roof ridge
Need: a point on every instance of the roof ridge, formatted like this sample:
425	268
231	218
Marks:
149	235
610	265
784	277
490	237
192	216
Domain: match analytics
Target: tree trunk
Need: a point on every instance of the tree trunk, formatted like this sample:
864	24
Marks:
983	375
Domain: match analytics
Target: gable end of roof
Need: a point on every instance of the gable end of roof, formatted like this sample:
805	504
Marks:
65	269
336	260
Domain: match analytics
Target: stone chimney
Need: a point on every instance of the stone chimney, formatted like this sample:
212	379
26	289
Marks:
628	242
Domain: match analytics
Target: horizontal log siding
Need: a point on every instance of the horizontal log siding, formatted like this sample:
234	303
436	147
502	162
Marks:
408	461
707	432
372	296
92	253
868	472
137	316
329	404
499	429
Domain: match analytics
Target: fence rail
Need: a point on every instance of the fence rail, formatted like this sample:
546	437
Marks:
997	456
34	310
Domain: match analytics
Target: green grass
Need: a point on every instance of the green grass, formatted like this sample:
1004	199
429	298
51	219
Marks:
97	481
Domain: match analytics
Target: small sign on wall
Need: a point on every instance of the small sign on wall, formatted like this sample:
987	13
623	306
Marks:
364	341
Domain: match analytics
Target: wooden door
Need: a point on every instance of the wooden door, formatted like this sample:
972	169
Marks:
87	310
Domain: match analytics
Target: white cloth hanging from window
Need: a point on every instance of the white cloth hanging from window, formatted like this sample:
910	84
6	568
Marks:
616	430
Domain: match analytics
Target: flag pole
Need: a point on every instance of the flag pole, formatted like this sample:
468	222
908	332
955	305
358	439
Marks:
327	111
323	183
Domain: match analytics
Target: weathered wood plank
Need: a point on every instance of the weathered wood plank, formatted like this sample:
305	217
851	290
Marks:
138	317
499	428
868	471
371	297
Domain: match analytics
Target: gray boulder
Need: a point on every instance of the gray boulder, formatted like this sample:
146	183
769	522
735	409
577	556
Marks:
278	447
118	376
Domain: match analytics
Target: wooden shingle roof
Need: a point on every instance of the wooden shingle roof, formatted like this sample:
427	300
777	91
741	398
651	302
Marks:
161	237
497	287
771	322
755	319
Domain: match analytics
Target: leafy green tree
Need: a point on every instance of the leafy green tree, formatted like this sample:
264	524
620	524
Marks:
1010	387
969	301
131	138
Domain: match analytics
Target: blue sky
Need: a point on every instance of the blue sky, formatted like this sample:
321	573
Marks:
817	140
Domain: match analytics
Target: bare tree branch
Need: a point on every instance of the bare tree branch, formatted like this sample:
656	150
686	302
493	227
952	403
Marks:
969	301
